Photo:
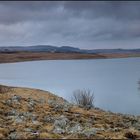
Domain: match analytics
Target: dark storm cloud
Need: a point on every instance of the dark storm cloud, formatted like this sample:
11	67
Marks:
80	24
116	9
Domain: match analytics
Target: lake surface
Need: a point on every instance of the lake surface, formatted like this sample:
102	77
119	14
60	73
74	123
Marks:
113	81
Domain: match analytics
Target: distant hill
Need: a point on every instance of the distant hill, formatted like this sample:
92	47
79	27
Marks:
63	49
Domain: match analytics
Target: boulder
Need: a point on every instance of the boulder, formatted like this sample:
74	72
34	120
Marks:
60	124
89	132
75	129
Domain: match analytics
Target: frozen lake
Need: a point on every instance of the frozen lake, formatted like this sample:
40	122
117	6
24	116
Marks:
113	81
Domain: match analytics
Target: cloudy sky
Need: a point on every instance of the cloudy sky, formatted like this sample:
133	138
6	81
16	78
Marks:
80	24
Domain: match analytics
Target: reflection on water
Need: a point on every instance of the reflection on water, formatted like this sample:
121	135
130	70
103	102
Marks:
139	84
112	80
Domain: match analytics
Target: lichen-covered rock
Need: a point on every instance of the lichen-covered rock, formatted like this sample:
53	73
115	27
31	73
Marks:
8	102
61	122
13	112
48	119
28	130
75	129
31	104
15	135
58	130
65	106
19	119
89	132
42	101
16	98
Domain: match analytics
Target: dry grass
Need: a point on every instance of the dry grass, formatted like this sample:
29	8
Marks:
30	56
4	89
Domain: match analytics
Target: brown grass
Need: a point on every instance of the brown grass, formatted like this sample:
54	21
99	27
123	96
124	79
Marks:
31	56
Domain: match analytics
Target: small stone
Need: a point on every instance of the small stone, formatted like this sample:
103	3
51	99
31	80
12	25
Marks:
36	122
19	119
61	122
49	119
15	135
89	132
58	130
16	98
75	129
13	112
31	102
28	130
9	102
27	114
42	101
65	106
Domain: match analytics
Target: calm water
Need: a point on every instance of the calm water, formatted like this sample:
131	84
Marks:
113	81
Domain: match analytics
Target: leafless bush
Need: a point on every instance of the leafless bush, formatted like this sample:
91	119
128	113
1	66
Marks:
4	89
83	98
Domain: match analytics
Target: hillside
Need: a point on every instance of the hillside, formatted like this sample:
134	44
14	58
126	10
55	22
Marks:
64	49
31	113
48	52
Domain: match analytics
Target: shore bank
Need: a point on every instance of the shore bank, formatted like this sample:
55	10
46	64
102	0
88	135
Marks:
32	56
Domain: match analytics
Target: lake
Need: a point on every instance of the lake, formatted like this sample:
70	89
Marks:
113	81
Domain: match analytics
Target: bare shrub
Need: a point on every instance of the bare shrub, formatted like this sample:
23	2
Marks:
83	98
4	89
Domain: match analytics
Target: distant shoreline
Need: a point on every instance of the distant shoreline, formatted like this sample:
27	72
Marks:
32	56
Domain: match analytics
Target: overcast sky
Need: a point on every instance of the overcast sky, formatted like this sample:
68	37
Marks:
80	24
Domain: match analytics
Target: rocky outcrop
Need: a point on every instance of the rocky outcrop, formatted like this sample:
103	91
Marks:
29	114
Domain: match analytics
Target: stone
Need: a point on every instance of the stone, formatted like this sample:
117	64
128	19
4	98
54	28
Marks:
61	122
15	135
49	119
16	98
13	112
31	102
65	106
51	102
34	117
28	130
36	122
9	102
89	132
137	126
27	114
58	130
19	119
42	101
75	129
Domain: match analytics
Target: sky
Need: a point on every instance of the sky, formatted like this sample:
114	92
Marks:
82	24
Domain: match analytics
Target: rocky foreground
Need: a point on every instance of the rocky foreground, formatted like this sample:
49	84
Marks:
35	114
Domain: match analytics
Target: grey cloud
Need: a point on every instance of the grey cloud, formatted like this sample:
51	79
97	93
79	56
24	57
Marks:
69	23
